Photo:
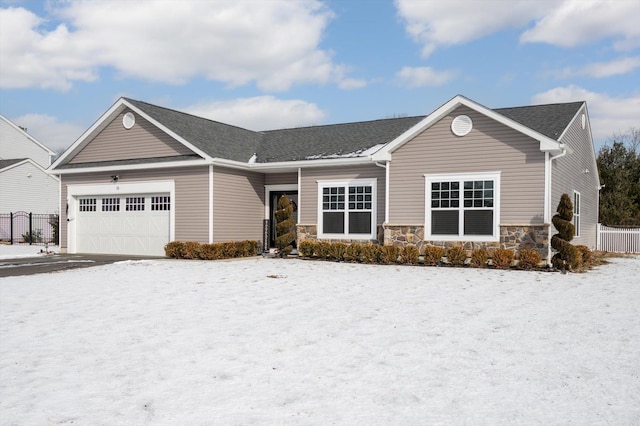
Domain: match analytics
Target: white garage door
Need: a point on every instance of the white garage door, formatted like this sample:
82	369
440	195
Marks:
123	224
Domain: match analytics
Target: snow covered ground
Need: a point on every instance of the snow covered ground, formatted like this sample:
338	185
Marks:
24	250
269	341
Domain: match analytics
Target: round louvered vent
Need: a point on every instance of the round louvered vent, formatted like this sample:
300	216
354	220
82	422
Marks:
128	120
461	125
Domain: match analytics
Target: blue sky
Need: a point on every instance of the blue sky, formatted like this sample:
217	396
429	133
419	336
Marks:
264	64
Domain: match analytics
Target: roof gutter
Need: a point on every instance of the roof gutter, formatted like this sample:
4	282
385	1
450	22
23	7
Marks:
294	165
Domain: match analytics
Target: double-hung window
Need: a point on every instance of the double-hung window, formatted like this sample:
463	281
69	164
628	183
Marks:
462	207
347	209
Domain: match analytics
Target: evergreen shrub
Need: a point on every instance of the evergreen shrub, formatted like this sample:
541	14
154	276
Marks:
323	249
285	235
389	254
566	257
409	255
433	255
195	250
528	259
479	258
586	256
336	251
174	249
306	248
352	253
209	252
502	258
370	253
191	250
456	256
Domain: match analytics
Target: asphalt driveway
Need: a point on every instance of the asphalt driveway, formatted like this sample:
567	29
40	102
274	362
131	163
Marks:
43	264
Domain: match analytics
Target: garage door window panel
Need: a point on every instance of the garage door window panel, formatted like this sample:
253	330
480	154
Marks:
134	204
111	204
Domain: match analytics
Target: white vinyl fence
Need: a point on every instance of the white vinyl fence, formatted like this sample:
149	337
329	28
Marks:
620	240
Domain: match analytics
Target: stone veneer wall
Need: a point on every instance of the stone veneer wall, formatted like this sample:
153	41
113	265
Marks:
310	232
513	237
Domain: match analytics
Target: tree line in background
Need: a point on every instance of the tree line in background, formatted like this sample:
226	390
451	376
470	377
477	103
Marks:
619	168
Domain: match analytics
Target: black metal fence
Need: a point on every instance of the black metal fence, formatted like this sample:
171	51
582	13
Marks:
29	228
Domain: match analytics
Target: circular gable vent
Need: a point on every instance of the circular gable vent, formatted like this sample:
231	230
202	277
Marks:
128	120
461	125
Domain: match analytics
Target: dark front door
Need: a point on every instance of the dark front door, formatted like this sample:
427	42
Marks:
273	205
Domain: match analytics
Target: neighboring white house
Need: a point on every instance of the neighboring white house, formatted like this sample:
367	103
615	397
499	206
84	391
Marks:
25	184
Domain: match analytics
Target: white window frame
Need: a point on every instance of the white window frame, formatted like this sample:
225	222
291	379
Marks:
576	212
461	177
373	183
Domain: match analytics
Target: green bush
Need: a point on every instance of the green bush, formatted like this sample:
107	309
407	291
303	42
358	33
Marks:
433	255
174	249
209	252
195	250
409	255
502	258
54	221
370	253
389	254
285	225
479	258
352	253
567	254
322	249
32	237
528	259
456	256
306	248
191	250
586	256
336	251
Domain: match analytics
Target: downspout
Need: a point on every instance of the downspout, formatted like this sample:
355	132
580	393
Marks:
210	203
385	166
563	152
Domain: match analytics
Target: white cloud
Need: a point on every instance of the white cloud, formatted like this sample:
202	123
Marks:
603	69
423	76
608	114
47	130
577	22
566	23
445	23
260	113
272	43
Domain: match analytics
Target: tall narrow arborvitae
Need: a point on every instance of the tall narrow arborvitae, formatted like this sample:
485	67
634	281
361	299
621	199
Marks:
285	235
566	255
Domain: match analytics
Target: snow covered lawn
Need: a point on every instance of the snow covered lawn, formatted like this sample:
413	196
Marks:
269	341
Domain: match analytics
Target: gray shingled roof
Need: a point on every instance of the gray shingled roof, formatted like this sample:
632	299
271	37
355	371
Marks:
550	119
219	140
336	140
132	161
10	162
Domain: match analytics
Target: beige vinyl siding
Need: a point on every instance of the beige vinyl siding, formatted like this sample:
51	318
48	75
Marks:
191	197
489	147
238	205
309	188
143	140
281	178
568	175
